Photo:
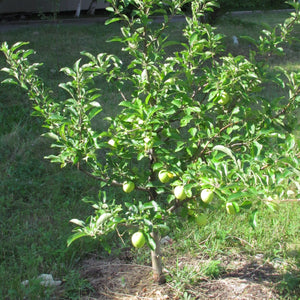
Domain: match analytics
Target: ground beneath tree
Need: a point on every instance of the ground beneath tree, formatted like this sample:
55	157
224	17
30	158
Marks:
241	278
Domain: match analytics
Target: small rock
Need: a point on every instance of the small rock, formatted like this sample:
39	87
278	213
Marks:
25	282
259	256
235	40
166	240
45	280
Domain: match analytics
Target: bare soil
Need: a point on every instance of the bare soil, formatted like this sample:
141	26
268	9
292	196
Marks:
242	278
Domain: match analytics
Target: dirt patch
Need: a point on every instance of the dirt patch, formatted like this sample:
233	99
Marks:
242	278
117	279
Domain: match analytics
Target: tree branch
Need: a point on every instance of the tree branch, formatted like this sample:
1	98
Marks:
109	181
213	138
283	110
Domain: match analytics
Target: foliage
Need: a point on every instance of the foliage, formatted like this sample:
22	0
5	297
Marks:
252	5
196	113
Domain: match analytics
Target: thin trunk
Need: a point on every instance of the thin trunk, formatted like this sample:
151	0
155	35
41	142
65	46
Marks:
92	7
158	275
77	14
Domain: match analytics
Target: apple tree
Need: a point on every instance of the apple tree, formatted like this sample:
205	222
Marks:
194	129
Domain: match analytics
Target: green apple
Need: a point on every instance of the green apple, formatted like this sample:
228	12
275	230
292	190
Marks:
179	192
128	186
207	195
164	176
224	98
232	208
201	219
138	239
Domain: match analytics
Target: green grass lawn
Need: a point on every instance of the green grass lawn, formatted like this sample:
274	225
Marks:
37	199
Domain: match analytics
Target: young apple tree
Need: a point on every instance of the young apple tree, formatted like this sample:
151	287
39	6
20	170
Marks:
194	129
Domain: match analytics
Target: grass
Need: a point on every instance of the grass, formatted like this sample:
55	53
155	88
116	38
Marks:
276	239
37	199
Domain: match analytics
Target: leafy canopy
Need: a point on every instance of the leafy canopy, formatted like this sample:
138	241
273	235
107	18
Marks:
187	108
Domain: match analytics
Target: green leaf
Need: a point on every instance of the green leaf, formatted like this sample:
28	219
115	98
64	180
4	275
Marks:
94	104
10	81
227	151
74	237
246	204
157	166
150	241
18	45
103	218
27	53
163	227
186	120
249	39
140	156
78	222
258	146
110	8
193	131
94	112
236	207
169	43
77	65
177	102
272	205
51	135
253	219
193	38
109	21
68	71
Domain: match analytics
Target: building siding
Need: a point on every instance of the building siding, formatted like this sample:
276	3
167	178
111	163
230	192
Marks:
38	6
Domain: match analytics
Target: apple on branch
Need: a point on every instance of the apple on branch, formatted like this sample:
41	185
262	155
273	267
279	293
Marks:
232	208
164	176
128	186
207	195
138	239
224	98
179	192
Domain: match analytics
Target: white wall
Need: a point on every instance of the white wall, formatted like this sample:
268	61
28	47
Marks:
36	6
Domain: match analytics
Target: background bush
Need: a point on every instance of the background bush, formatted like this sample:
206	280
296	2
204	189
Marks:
226	5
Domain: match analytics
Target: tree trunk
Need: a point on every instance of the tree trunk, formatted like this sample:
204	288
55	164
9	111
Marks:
77	14
155	254
158	275
92	7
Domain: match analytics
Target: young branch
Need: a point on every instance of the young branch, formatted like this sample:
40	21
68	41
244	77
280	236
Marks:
109	181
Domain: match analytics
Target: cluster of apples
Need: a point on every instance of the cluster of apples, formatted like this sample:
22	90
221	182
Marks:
138	239
206	195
